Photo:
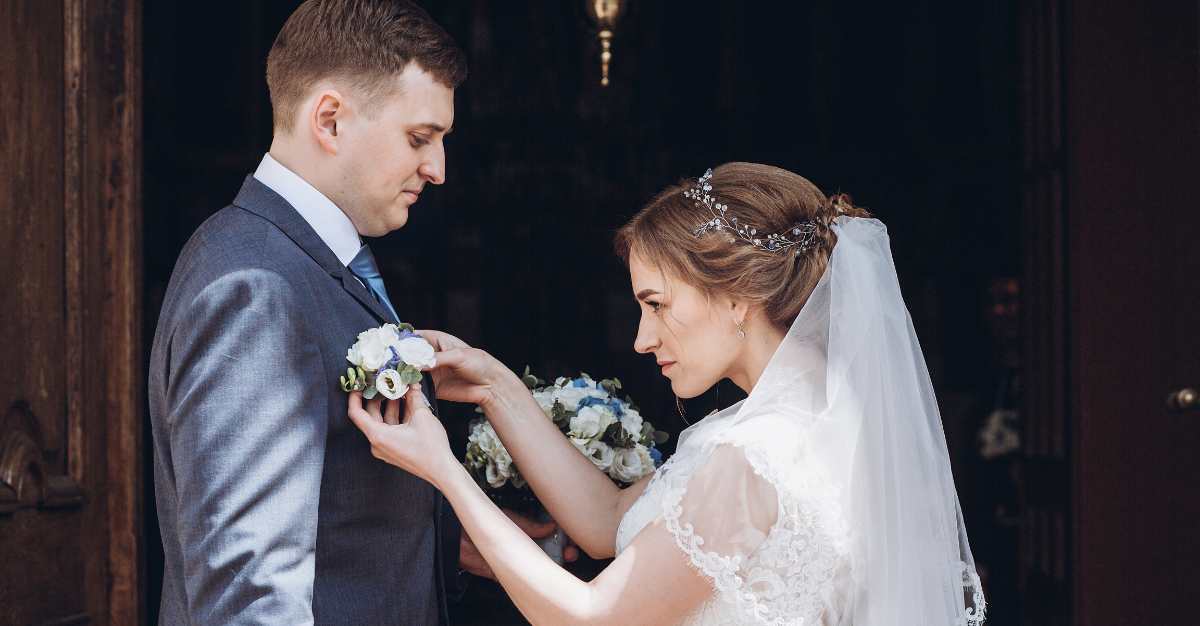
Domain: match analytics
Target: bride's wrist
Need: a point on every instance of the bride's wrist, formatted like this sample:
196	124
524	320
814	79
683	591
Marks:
505	387
452	470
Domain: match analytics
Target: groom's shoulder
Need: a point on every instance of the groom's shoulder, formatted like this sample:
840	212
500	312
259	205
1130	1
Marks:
236	237
235	244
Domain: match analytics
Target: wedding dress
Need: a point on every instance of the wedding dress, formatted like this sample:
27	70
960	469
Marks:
825	498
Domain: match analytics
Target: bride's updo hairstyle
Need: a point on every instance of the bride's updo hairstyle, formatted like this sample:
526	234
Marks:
772	200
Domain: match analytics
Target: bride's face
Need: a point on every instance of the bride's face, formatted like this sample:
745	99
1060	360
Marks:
692	336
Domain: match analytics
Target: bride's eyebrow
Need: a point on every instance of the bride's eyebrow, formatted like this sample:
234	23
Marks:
645	293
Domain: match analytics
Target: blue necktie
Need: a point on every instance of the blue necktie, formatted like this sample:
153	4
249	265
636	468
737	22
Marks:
363	266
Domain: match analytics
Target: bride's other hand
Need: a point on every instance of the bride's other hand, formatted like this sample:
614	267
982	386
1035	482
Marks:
417	445
466	374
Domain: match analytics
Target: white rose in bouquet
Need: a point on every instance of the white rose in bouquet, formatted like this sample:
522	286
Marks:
631	422
601	454
545	399
591	422
629	465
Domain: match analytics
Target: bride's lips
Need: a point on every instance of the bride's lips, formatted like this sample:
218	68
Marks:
665	365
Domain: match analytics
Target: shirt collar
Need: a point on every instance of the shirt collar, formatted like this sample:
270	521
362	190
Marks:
331	224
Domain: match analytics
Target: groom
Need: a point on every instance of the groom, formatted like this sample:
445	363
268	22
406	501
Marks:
271	506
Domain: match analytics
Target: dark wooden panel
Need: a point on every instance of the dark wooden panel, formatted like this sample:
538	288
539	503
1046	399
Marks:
1133	135
70	235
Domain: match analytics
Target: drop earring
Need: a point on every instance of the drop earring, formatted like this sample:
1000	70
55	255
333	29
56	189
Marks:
741	330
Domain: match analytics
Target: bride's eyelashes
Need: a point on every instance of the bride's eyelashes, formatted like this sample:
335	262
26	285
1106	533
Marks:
657	307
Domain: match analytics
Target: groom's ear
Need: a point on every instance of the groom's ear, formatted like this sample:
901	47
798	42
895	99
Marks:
326	115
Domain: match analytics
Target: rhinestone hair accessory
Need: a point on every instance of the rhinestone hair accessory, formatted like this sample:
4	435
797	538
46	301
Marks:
802	236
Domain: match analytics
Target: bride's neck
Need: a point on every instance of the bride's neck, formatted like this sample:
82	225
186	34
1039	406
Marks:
760	345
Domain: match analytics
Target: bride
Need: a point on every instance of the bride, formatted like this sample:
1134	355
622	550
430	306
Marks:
825	497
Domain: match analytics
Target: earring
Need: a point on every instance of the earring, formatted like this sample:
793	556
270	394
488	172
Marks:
741	330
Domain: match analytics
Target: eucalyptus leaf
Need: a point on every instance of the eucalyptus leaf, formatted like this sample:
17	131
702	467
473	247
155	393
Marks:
410	376
369	392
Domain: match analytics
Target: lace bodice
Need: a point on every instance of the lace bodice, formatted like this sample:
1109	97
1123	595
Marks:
795	570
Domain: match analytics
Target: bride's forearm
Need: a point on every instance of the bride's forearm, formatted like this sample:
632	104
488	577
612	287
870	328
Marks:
544	592
580	497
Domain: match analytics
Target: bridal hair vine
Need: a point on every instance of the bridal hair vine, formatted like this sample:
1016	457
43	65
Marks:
802	236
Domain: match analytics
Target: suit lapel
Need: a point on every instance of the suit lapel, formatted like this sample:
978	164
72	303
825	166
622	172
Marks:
264	202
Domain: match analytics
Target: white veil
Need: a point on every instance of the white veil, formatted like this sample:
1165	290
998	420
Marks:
843	423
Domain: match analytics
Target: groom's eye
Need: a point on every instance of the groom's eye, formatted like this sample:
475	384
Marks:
418	141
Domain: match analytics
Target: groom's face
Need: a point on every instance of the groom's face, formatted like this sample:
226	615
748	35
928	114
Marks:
392	149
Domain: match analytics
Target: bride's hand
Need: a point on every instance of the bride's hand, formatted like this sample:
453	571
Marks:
418	445
463	373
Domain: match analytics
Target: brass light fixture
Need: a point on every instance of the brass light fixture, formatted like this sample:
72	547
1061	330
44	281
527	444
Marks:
605	13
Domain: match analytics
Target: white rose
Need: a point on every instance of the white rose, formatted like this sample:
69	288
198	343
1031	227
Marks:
591	422
372	350
631	421
416	352
600	454
388	383
545	399
631	464
484	436
571	395
495	476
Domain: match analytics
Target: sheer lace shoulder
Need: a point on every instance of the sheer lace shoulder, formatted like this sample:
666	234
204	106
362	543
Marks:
773	547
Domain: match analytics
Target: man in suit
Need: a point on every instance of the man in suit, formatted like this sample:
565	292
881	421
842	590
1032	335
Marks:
271	506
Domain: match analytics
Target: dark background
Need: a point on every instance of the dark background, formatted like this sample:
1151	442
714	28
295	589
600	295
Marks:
909	107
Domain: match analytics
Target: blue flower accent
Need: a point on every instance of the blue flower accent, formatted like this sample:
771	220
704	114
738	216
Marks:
405	334
580	382
657	456
614	405
394	362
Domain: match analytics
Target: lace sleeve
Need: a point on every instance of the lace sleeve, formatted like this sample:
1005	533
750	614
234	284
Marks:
764	547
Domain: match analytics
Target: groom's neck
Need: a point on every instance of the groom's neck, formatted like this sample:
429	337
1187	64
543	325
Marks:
297	159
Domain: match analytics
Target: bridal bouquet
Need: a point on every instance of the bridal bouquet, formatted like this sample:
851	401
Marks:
386	361
604	427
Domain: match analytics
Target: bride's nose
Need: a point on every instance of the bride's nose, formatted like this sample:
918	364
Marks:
646	340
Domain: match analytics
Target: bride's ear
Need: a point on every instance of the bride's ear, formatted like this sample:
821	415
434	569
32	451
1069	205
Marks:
740	311
324	118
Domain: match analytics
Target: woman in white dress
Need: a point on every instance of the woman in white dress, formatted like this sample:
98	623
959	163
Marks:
824	498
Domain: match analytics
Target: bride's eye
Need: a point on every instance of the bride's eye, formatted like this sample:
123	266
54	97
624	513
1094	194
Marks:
654	306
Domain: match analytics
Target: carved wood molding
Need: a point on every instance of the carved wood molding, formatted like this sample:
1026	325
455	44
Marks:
25	482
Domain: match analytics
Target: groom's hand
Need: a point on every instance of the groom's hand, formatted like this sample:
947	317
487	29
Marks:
473	562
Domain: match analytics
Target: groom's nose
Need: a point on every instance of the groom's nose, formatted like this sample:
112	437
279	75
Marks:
433	169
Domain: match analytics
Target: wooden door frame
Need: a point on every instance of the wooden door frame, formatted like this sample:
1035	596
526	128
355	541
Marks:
103	199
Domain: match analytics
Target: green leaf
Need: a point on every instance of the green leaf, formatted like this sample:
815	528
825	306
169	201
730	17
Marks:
369	392
409	375
660	437
352	374
345	384
406	326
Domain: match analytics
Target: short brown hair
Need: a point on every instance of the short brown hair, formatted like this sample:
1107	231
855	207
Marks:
770	198
368	41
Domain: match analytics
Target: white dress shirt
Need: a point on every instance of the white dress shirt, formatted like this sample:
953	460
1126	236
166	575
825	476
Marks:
331	224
